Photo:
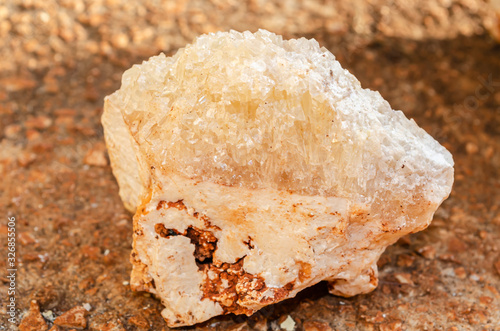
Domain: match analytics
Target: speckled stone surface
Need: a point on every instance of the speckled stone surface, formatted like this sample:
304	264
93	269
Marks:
434	60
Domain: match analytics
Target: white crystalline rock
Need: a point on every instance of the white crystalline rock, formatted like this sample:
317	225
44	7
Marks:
256	167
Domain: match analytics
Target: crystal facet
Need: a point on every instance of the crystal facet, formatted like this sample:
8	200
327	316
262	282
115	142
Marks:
256	167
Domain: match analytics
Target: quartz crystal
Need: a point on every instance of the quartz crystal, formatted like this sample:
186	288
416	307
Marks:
257	167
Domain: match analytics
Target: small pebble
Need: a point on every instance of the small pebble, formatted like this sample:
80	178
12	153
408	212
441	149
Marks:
96	158
33	321
288	324
73	318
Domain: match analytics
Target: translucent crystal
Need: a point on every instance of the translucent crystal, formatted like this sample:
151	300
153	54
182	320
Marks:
237	116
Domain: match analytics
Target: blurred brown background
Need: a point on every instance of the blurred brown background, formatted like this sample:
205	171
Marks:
437	60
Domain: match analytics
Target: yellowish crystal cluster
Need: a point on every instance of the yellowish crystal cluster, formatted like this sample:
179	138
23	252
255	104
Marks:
271	155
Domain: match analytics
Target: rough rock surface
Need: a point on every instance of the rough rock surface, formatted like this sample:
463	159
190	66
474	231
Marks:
257	167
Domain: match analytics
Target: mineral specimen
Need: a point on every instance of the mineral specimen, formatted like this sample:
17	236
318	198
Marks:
256	167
